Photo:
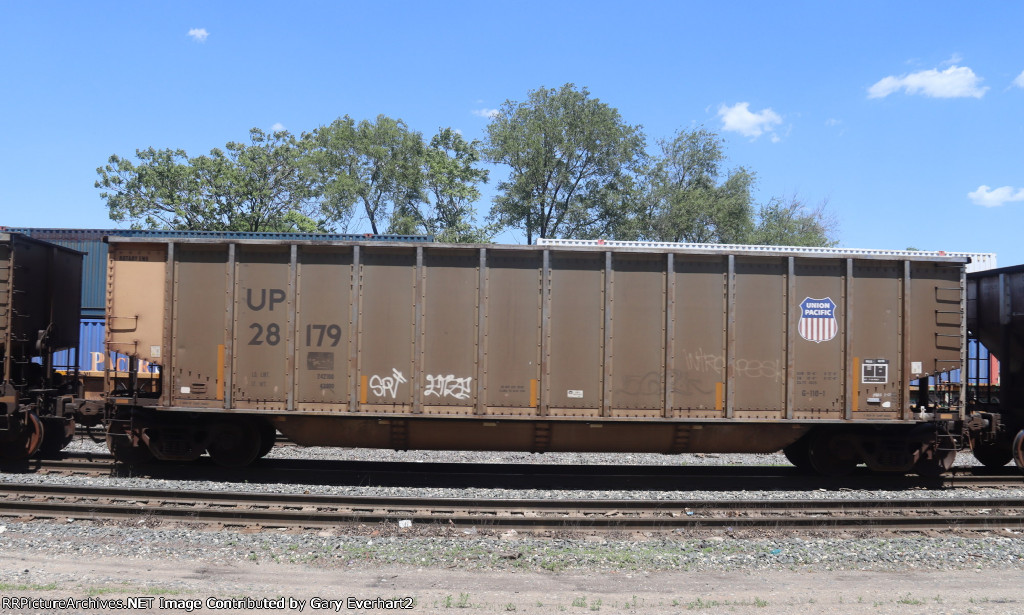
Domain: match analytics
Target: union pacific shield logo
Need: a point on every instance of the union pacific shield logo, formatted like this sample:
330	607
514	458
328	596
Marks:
818	320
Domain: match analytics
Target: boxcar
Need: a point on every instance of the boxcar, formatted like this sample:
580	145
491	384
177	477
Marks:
533	348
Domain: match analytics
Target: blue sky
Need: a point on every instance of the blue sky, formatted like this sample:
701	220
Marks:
907	117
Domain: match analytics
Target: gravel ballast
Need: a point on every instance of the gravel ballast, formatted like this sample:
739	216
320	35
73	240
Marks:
506	558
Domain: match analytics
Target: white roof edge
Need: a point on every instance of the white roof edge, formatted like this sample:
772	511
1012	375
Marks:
980	261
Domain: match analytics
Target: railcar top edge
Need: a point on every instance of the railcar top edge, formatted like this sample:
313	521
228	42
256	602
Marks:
694	249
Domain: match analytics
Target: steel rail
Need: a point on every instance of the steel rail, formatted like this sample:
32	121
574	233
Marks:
304	510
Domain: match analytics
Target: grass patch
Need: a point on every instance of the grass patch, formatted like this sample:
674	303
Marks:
22	587
908	599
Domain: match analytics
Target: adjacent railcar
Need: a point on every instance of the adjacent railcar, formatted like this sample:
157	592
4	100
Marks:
533	348
996	318
39	304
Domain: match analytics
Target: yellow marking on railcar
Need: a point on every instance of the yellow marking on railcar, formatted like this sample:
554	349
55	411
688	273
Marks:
363	385
533	393
220	372
856	382
719	395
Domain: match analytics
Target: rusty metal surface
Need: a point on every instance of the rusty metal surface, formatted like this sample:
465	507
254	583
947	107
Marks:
608	337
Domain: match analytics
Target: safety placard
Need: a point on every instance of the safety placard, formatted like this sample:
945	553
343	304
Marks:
874	371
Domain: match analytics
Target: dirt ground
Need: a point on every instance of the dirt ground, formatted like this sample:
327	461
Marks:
173	584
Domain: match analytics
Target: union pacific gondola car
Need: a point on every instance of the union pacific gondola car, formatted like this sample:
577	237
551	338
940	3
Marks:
534	348
824	354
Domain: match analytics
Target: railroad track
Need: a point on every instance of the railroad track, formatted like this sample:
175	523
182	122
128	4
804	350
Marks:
28	502
518	476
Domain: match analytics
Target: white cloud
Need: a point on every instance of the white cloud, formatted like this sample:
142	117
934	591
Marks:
953	60
199	34
1019	81
739	118
987	197
954	82
485	112
277	127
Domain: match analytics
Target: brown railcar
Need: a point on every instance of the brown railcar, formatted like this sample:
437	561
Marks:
39	303
533	348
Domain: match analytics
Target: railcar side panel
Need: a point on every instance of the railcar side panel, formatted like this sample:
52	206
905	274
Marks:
324	329
136	290
755	355
199	329
262	325
389	309
434	346
576	335
451	300
698	359
636	356
816	362
936	313
512	334
875	308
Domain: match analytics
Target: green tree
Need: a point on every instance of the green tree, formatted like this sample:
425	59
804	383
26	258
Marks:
791	223
161	190
687	201
255	186
376	166
451	179
571	160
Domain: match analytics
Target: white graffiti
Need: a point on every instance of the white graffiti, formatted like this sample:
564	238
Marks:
448	386
705	362
388	384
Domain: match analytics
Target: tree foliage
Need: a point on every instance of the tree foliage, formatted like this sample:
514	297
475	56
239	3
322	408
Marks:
576	169
790	222
255	186
372	166
399	183
571	160
451	180
686	198
381	171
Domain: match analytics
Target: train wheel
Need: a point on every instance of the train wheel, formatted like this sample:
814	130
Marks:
992	455
268	437
832	454
120	446
799	454
1018	450
58	432
25	442
234	444
938	458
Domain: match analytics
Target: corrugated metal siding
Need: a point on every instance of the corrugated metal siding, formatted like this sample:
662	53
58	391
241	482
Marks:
980	367
92	355
90	339
94	267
